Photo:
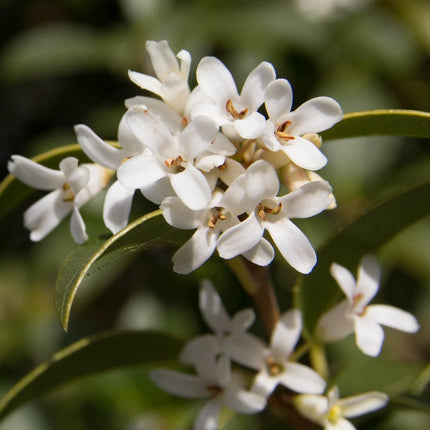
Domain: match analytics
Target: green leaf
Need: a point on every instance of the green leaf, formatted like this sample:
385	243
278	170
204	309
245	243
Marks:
13	192
89	356
368	232
383	122
138	236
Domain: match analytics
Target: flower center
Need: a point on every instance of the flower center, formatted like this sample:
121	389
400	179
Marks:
334	414
215	217
233	112
281	132
68	196
174	162
273	367
214	390
262	210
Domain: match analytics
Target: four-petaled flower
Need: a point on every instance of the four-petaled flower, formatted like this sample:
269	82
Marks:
331	412
71	187
215	381
354	314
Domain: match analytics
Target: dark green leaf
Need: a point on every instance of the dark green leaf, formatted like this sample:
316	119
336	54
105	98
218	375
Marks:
89	356
138	236
384	122
368	232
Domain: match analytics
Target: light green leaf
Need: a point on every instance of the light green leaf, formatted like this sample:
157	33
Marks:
383	122
89	356
13	192
368	232
138	236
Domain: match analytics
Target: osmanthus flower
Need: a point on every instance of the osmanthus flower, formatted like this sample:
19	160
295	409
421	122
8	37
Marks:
118	200
273	363
290	131
214	381
229	333
171	156
255	193
71	187
171	83
330	412
354	314
236	114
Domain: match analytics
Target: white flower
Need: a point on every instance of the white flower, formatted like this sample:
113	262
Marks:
214	381
273	364
237	114
354	314
284	129
229	333
209	223
329	412
71	187
254	193
172	83
171	156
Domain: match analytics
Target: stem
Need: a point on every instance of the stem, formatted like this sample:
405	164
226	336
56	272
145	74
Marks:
319	360
256	281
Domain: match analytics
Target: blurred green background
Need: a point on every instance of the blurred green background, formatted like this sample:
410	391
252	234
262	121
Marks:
64	62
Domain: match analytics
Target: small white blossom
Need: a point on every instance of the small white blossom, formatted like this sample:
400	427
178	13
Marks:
330	412
285	129
229	332
273	364
215	381
236	114
354	314
171	83
255	193
71	187
171	156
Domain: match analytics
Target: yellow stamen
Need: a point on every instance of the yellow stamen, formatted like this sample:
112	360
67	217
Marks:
334	414
69	196
273	367
262	210
174	162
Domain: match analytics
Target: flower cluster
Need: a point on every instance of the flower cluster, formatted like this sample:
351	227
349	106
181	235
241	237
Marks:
208	157
212	356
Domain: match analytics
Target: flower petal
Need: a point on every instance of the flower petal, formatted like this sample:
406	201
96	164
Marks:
315	115
293	244
195	251
250	127
240	238
264	384
97	149
344	279
308	200
158	190
140	171
207	418
255	85
177	214
44	215
146	82
261	254
368	277
261	181
117	205
393	317
163	59
216	80
337	323
248	350
286	334
244	402
179	384
191	187
301	379
212	309
304	153
35	175
278	98
312	406
363	403
369	335
340	424
77	227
